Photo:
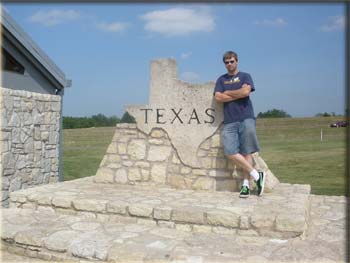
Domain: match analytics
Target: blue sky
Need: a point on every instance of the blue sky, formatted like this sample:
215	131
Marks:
294	52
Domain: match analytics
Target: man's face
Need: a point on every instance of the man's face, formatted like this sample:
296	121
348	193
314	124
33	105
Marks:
231	64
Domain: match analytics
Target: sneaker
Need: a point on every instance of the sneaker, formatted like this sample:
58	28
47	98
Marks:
260	183
244	193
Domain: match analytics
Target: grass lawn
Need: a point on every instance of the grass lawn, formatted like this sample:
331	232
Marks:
293	150
291	147
83	150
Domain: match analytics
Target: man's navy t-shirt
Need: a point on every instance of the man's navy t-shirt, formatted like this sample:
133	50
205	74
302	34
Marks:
240	109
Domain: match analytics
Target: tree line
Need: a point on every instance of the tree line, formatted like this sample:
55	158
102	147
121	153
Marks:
101	120
326	114
98	120
274	113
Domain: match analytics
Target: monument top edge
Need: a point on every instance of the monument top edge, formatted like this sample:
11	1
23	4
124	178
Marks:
163	59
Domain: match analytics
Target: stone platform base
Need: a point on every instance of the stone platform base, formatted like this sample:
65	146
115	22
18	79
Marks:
281	214
47	235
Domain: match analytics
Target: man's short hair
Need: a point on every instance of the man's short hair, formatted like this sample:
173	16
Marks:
230	54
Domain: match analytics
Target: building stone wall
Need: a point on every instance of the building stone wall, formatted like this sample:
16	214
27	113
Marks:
136	158
30	127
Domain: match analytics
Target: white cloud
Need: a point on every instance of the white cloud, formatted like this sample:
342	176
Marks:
112	27
186	55
334	23
54	17
278	22
189	76
179	21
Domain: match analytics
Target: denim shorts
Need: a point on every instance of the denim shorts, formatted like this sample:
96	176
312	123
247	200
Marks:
240	137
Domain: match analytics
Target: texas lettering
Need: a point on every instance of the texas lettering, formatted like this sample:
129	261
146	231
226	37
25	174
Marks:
179	116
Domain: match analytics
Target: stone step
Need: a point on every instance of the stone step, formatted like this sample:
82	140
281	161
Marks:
282	213
54	237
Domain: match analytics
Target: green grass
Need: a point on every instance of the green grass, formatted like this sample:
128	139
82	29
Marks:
83	150
294	152
291	147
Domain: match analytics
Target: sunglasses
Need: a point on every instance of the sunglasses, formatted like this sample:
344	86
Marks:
230	62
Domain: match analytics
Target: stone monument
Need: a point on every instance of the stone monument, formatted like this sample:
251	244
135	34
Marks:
176	139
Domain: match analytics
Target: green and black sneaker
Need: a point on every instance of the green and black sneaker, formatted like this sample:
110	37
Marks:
244	193
260	183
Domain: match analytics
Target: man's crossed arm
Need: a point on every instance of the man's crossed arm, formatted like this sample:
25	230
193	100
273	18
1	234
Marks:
230	95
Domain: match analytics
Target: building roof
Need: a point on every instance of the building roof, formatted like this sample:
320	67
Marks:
32	51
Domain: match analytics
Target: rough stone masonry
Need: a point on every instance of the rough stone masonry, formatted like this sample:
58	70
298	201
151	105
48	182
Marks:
29	139
176	139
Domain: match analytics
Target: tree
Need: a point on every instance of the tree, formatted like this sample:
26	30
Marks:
113	121
127	118
325	114
274	113
98	120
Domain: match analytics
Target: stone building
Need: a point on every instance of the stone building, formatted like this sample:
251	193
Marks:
32	89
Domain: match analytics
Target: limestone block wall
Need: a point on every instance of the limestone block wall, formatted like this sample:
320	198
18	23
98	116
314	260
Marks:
134	157
30	126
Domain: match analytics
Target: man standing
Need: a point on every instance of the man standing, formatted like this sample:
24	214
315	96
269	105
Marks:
239	132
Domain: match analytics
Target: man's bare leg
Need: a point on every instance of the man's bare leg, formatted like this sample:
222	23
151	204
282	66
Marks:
249	159
246	163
